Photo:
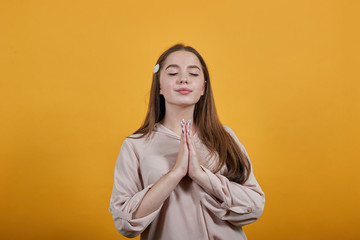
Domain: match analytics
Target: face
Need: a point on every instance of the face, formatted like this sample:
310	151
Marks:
182	80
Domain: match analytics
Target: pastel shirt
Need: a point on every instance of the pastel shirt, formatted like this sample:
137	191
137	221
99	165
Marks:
189	212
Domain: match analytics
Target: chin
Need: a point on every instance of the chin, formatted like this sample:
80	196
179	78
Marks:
184	103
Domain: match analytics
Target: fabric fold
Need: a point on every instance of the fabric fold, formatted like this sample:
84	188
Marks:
190	212
239	204
236	203
128	193
125	223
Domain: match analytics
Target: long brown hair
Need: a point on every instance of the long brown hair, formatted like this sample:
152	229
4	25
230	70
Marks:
210	130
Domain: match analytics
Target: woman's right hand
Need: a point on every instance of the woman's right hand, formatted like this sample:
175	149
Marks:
182	161
162	189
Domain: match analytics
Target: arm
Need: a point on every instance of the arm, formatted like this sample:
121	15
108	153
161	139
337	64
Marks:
159	192
230	201
155	197
134	207
235	203
127	193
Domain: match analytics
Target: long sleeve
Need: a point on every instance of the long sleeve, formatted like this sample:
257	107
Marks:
239	204
128	192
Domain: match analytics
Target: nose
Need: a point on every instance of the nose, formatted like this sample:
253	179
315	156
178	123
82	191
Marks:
183	79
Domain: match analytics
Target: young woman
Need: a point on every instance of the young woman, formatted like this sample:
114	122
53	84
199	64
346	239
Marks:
182	174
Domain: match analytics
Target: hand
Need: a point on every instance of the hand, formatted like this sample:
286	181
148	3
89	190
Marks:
182	161
194	170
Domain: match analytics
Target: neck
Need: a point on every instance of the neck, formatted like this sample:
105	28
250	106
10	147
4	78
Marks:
174	115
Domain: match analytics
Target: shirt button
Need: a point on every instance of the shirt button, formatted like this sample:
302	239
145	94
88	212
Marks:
249	209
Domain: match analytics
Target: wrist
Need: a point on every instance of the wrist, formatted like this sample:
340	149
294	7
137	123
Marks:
177	173
198	175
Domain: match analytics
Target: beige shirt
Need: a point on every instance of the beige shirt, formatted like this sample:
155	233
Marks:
189	212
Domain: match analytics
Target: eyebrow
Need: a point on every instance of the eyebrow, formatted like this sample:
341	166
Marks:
177	66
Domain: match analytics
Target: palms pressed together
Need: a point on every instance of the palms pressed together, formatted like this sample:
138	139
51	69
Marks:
187	159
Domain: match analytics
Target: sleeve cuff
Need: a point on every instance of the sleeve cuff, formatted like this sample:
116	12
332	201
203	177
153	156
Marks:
220	185
216	185
132	206
124	222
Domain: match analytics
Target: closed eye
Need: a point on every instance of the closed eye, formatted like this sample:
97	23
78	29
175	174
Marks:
173	74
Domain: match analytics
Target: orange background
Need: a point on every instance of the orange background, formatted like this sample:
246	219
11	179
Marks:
75	79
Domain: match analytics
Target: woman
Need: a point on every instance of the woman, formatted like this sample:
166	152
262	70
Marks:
177	179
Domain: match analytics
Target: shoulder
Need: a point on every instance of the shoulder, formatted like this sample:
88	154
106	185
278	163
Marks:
133	141
230	131
137	142
232	134
130	149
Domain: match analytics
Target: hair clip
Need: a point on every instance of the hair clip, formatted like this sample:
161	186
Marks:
156	68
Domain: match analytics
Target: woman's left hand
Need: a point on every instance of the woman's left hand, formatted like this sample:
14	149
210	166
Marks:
194	169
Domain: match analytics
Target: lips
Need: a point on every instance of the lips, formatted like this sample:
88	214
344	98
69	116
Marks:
184	91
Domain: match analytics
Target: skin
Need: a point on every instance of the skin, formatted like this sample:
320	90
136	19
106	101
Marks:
185	71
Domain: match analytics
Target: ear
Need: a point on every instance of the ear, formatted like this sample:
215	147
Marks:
203	90
160	92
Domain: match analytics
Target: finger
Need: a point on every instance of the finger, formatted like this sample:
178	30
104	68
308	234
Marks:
189	127
182	127
191	144
183	131
189	137
188	131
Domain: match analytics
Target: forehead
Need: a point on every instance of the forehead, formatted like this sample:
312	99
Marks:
182	58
